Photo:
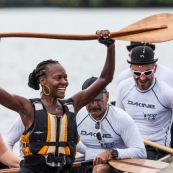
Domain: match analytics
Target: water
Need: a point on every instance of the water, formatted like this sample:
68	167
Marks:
82	59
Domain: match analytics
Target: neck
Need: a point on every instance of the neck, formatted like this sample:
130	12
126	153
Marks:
49	101
52	105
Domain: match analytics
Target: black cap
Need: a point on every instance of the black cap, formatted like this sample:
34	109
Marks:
88	82
135	44
142	55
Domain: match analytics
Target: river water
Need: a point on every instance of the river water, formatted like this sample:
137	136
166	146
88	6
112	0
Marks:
82	59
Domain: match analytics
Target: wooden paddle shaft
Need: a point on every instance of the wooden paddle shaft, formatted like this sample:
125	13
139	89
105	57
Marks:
82	37
76	164
161	147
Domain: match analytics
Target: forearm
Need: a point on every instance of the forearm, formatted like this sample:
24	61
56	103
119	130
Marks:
10	159
109	67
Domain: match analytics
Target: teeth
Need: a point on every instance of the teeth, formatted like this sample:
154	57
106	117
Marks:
60	88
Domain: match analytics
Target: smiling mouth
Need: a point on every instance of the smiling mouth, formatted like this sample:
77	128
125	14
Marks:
61	89
143	82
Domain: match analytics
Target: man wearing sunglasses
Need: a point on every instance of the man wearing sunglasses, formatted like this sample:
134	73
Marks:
148	100
106	132
162	73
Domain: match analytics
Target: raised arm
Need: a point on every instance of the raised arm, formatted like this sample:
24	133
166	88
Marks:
84	97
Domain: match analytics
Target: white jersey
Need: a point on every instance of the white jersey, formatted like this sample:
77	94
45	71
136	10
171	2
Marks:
151	109
118	131
162	73
14	134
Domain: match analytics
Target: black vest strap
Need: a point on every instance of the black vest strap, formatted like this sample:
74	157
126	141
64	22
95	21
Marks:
57	135
41	143
39	131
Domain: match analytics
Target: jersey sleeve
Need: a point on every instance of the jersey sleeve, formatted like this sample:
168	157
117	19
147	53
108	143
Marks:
14	133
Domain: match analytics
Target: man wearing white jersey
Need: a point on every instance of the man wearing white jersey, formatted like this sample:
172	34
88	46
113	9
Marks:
147	99
107	132
162	73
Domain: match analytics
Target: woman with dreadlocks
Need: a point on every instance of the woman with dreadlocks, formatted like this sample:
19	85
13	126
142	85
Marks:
50	138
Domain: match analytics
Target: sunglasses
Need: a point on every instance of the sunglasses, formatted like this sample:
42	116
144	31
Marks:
145	73
99	133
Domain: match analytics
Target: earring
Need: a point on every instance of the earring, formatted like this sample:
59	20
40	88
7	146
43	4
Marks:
43	90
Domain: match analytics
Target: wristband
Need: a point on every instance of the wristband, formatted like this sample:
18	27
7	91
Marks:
106	42
114	154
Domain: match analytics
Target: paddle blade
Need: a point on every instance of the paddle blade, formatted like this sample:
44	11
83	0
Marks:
138	165
168	169
155	36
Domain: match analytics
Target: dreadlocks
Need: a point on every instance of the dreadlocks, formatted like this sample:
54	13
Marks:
33	80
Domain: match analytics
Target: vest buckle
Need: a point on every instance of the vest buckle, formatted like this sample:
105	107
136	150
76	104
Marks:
55	161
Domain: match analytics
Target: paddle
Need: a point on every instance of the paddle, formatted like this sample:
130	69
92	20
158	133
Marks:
161	147
151	36
167	169
138	165
130	165
156	28
81	37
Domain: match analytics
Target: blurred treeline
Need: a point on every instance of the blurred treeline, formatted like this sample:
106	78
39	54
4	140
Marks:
86	3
